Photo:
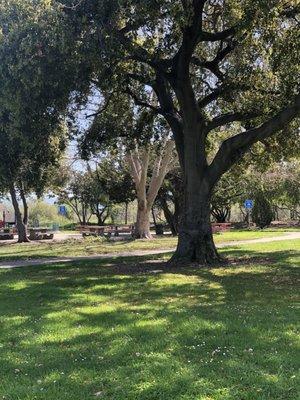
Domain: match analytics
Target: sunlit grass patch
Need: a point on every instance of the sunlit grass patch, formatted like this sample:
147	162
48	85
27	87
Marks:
123	330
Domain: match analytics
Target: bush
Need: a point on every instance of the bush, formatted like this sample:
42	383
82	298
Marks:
262	214
46	214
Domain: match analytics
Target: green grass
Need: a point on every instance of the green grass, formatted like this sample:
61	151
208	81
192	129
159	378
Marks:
129	331
91	246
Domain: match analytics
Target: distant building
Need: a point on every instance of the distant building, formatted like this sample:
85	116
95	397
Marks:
6	216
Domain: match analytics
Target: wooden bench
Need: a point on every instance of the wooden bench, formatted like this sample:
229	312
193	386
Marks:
40	234
221	227
6	234
107	230
124	229
94	230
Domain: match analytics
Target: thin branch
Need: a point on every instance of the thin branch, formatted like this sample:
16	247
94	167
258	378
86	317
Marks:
213	65
142	103
217	36
102	109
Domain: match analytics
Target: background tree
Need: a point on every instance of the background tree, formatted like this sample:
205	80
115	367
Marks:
34	95
146	192
145	145
230	190
170	198
279	184
114	177
78	195
288	188
262	214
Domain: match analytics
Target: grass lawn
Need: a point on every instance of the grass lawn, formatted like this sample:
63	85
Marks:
92	246
126	331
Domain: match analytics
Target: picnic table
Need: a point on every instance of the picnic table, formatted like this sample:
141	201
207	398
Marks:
6	234
40	234
107	230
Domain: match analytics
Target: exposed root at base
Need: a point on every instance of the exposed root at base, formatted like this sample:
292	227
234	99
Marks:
178	261
148	237
24	241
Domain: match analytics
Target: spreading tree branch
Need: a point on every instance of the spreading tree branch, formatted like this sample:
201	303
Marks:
235	147
227	118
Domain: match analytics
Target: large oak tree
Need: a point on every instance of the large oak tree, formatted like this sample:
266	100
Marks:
212	64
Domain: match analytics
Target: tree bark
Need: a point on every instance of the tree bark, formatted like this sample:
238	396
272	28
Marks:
100	214
195	243
142	226
172	219
25	207
22	231
99	220
126	213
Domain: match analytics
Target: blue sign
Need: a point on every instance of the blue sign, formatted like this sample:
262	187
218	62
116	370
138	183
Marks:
249	204
62	210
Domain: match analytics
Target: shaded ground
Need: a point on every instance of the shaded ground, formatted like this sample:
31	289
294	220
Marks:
128	331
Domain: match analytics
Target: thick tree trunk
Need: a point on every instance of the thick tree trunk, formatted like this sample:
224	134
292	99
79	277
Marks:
142	226
22	231
126	213
195	242
25	207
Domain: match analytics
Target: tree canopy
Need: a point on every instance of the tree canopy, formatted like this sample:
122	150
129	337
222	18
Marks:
212	65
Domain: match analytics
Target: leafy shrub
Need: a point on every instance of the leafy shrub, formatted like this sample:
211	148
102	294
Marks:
262	214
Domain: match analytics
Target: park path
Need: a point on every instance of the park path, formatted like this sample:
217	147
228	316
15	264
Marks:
139	253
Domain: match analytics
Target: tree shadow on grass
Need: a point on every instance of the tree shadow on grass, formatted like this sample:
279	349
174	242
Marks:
145	331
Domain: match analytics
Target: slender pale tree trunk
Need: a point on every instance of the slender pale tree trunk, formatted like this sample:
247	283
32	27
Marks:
142	230
22	231
139	163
